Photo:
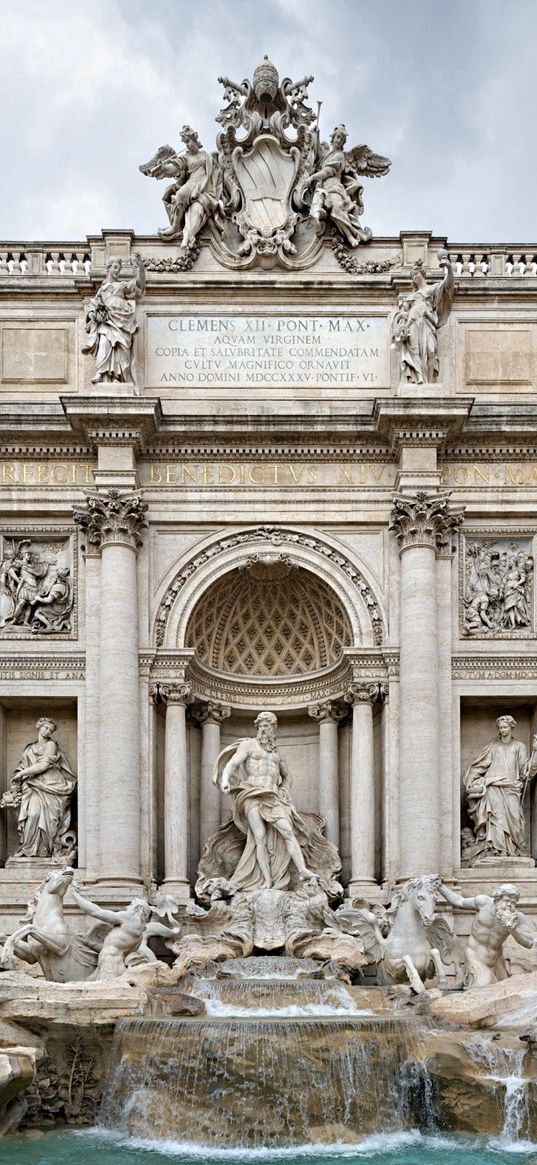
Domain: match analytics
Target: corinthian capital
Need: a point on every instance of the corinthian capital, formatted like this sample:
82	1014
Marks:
112	516
424	520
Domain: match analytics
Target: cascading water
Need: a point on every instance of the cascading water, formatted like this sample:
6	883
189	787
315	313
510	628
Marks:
266	997
252	1082
503	1068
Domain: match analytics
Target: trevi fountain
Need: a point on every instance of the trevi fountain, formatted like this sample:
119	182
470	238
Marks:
268	671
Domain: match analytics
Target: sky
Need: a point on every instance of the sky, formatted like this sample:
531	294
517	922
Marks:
445	88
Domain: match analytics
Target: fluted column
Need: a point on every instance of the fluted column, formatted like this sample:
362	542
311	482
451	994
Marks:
176	697
362	696
328	715
112	521
210	715
421	524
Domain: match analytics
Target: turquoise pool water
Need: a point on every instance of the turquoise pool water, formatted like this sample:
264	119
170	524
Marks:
95	1148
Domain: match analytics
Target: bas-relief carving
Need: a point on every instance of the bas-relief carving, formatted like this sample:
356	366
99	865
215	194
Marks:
36	586
40	793
111	323
421	311
272	187
495	784
497	587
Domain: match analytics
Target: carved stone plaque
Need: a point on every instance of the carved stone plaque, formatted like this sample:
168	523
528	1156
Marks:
497	588
301	352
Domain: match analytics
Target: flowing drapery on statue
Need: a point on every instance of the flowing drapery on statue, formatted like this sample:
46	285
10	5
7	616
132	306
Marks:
41	788
268	844
494	783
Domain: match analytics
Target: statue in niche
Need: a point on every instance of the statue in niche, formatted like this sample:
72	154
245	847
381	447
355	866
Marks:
35	590
40	792
337	191
111	323
495	783
195	194
498	588
495	918
267	844
420	313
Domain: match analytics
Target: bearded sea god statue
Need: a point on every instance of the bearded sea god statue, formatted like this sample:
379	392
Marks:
267	844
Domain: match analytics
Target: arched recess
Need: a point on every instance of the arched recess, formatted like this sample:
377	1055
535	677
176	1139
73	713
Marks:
315	553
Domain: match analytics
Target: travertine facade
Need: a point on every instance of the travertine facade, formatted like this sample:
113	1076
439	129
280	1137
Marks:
257	501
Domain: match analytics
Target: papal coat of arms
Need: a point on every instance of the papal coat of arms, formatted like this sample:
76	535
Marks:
272	189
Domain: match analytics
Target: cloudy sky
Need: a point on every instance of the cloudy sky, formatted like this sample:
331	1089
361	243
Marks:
446	89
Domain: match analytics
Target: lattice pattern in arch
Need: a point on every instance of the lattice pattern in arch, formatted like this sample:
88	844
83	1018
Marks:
285	626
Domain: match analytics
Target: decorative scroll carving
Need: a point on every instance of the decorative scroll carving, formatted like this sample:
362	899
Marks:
112	516
36	586
497	587
111	323
365	693
332	710
424	520
40	792
211	713
171	693
277	537
420	313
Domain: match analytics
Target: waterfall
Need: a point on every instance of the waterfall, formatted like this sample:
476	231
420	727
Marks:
265	997
504	1067
252	1082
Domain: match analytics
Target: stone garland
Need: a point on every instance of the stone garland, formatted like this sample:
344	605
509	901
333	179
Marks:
277	537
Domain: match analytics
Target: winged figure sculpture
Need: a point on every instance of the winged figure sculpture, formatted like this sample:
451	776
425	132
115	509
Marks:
337	190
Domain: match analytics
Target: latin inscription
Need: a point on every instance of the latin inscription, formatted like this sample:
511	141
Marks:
267	351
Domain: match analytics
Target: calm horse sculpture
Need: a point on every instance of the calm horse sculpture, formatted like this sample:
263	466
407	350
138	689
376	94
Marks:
46	938
413	946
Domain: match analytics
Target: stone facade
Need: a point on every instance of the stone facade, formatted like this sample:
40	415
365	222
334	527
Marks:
265	506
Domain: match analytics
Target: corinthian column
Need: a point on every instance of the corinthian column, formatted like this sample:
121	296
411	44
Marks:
421	525
176	808
112	521
362	696
328	715
210	716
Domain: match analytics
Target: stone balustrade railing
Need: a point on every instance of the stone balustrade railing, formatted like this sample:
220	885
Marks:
496	261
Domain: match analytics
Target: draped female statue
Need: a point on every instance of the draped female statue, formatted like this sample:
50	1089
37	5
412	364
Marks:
40	790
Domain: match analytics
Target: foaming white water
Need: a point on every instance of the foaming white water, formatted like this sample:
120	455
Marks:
375	1143
216	1008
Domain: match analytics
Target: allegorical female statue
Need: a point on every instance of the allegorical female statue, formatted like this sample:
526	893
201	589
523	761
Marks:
421	312
40	790
495	783
111	323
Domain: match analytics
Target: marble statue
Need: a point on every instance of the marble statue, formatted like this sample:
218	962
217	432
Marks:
495	783
45	936
271	189
495	918
126	936
40	792
194	195
111	323
417	944
337	191
35	590
421	312
498	588
268	844
224	931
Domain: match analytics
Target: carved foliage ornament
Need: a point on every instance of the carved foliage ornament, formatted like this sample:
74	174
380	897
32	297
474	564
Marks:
112	516
424	520
277	537
272	187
